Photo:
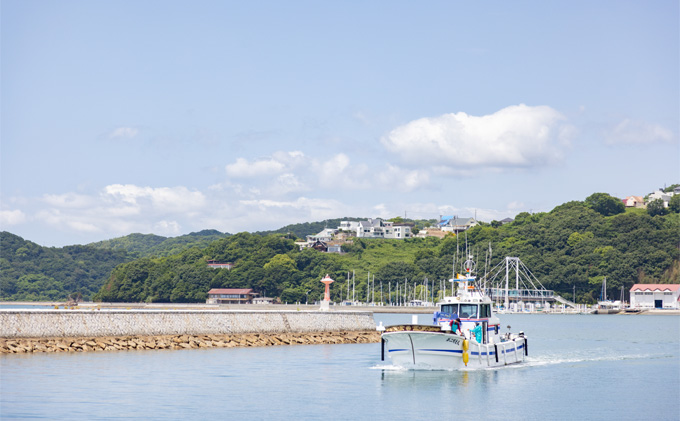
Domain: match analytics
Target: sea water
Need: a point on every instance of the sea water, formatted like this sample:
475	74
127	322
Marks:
595	367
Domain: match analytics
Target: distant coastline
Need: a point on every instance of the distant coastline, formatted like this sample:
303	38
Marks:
268	307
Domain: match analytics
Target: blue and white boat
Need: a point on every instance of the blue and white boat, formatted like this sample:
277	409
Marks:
415	346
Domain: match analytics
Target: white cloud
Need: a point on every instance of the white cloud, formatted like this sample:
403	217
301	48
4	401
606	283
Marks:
296	172
83	226
167	228
123	133
163	199
12	217
277	164
288	183
516	136
403	180
637	132
121	209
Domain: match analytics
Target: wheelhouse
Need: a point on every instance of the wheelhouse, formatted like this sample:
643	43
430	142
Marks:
468	311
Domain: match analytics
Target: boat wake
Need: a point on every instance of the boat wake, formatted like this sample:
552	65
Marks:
388	367
546	360
553	360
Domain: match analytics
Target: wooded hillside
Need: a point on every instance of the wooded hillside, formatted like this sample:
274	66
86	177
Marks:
576	244
30	272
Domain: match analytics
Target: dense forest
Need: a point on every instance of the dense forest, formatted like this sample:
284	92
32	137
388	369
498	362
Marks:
30	272
571	248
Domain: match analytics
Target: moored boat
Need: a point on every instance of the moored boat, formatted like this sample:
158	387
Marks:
479	343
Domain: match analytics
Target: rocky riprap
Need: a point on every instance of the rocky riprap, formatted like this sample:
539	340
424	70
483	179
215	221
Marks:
128	343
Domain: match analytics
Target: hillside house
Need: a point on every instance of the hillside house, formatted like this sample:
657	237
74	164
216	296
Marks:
319	245
634	202
379	228
326	235
660	194
455	224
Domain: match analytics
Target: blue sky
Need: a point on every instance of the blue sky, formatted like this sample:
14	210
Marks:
169	117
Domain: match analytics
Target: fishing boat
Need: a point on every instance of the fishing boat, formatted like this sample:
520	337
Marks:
436	347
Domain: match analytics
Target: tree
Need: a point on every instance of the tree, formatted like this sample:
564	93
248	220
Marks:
656	207
605	204
671	188
674	204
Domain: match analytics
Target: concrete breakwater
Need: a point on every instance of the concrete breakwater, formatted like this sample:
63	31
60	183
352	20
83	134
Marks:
27	331
129	343
115	323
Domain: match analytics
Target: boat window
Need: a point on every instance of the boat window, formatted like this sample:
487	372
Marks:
485	311
450	308
468	310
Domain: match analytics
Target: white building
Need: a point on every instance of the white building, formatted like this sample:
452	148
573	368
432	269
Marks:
377	228
660	194
326	235
348	226
455	224
660	296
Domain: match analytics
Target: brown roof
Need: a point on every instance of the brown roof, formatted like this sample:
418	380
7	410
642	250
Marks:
230	291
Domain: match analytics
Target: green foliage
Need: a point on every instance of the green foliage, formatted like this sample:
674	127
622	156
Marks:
143	245
674	203
656	207
671	188
605	204
29	272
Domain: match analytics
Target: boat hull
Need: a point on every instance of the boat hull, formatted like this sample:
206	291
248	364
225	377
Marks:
415	349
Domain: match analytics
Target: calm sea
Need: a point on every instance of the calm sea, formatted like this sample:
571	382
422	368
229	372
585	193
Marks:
579	367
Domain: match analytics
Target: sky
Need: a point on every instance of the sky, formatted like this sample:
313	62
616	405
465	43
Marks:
170	117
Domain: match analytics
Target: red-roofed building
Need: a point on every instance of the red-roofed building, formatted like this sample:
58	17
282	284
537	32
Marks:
230	296
655	296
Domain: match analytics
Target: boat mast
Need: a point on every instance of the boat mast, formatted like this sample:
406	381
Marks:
353	299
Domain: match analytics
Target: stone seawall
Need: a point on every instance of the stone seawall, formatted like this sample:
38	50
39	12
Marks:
118	323
138	343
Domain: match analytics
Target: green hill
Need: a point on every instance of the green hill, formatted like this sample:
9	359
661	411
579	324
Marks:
29	272
575	245
142	245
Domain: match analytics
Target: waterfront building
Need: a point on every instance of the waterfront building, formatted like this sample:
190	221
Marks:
230	296
661	296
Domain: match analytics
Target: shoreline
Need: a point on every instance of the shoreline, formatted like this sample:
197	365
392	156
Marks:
283	307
